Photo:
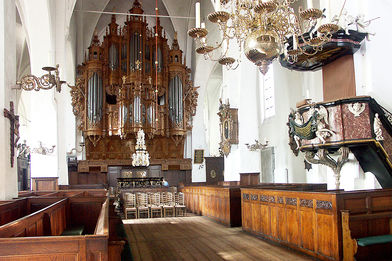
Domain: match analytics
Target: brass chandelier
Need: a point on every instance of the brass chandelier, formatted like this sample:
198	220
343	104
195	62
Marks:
263	30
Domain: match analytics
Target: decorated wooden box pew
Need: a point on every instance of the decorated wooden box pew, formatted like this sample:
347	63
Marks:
61	225
311	222
223	203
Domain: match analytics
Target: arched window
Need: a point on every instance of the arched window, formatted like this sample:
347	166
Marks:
268	93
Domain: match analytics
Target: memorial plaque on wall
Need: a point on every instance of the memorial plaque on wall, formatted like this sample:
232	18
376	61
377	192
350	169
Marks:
214	170
198	157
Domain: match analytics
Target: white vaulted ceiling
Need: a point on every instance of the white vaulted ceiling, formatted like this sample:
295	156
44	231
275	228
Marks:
89	22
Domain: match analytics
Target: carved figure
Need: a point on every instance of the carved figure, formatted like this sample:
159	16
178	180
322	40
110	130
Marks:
316	126
299	120
356	108
344	21
362	25
377	127
322	122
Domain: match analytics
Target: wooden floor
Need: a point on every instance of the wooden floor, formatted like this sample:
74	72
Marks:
198	238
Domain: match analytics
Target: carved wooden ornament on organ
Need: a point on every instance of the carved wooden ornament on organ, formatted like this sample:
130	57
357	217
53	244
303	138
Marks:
133	81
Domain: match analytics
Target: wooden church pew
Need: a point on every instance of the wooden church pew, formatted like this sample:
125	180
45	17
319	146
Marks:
12	210
38	236
364	232
311	221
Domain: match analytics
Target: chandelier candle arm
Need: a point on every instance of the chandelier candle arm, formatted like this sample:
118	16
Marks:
310	4
217	5
197	10
45	82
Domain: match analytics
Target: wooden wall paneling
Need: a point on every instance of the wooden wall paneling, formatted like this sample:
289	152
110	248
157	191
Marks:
281	221
85	211
13	210
274	216
54	248
45	183
249	179
307	228
292	224
29	223
339	79
294	218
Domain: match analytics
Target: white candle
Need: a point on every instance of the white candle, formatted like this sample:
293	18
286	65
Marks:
217	5
203	25
197	7
307	94
310	4
295	42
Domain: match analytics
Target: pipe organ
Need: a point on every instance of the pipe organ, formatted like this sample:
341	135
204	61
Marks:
133	80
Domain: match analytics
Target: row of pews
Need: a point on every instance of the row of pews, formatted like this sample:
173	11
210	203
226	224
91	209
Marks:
60	225
329	225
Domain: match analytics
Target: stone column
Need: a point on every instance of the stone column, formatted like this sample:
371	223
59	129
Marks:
8	175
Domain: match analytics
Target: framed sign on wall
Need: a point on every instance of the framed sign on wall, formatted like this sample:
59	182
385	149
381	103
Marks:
198	157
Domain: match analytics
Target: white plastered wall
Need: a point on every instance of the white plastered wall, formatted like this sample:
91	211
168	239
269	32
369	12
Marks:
8	175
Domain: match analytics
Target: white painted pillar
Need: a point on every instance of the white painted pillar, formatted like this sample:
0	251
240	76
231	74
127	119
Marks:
43	106
8	175
248	117
66	134
199	141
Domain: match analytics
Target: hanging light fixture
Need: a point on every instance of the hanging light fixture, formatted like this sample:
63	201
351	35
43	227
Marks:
263	30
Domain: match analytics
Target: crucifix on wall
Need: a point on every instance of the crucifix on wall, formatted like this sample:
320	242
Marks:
14	129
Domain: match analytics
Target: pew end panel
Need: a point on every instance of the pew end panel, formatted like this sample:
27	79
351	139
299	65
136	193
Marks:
366	236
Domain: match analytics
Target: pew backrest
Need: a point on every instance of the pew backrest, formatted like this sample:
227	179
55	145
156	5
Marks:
50	220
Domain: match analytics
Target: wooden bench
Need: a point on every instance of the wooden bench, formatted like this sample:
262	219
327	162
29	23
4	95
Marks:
73	231
381	234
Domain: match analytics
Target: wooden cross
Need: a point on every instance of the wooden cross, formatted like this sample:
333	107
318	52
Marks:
14	129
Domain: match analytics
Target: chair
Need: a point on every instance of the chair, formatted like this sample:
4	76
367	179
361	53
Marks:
168	204
142	205
180	208
130	205
155	204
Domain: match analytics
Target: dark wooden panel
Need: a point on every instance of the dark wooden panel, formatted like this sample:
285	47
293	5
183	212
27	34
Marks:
214	170
249	179
85	211
44	184
339	79
13	210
